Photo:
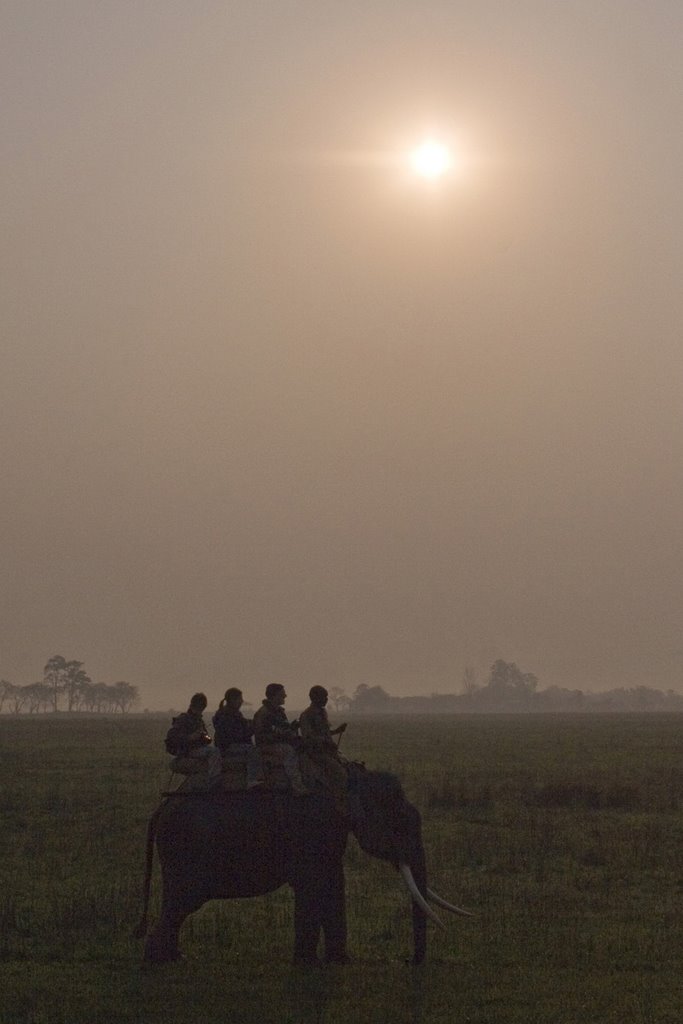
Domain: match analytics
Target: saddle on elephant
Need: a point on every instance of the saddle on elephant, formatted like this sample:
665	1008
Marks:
194	774
188	766
318	771
233	776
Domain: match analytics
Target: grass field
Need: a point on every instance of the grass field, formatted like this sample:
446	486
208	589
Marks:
564	834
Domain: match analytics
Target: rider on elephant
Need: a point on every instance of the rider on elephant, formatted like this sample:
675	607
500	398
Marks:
233	736
318	745
276	735
188	737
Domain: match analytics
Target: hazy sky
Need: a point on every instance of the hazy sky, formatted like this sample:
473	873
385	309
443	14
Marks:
271	410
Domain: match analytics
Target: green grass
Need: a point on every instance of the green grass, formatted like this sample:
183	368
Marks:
564	834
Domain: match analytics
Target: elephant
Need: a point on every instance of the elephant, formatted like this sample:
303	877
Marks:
226	845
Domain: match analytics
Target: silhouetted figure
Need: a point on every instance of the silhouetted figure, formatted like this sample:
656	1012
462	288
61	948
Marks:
188	737
275	735
314	724
233	736
317	743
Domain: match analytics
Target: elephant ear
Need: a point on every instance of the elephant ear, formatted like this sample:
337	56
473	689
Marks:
357	814
356	787
372	792
383	789
355	774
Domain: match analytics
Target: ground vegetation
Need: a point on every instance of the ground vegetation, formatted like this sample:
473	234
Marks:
562	832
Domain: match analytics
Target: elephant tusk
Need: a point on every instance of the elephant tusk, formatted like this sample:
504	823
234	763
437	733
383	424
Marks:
417	895
435	898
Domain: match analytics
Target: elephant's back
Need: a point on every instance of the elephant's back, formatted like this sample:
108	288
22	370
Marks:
238	843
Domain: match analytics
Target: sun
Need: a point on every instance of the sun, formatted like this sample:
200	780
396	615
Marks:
431	159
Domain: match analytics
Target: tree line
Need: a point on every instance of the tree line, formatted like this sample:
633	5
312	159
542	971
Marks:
66	686
507	689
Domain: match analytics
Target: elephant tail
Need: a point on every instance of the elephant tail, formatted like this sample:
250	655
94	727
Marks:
141	928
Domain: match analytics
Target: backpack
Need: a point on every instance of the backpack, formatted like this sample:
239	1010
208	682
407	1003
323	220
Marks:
174	739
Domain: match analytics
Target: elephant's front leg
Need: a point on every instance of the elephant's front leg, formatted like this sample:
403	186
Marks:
308	911
162	943
320	907
334	916
161	946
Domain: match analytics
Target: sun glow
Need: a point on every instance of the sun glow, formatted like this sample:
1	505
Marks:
431	160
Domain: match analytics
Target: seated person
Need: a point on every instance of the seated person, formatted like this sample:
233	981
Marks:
233	736
188	737
317	743
275	733
314	724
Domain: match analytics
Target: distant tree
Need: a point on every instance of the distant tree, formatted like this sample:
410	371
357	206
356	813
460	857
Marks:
103	697
124	695
65	678
339	699
87	695
31	697
556	698
53	676
506	680
67	681
369	699
44	696
95	696
5	688
647	700
470	682
16	698
39	696
74	678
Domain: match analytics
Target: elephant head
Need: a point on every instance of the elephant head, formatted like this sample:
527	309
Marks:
388	827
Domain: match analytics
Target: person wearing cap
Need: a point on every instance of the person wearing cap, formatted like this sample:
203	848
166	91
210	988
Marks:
274	733
233	736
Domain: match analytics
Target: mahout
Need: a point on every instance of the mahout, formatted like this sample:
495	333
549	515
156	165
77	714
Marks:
228	845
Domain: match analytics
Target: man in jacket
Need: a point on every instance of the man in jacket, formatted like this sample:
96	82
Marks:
276	736
317	742
188	737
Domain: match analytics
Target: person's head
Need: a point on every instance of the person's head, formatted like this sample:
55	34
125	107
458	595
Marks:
233	698
198	703
275	693
318	695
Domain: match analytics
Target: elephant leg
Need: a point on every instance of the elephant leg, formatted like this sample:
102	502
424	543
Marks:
162	943
307	923
334	916
320	907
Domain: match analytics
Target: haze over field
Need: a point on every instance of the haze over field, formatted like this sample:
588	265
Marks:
273	409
